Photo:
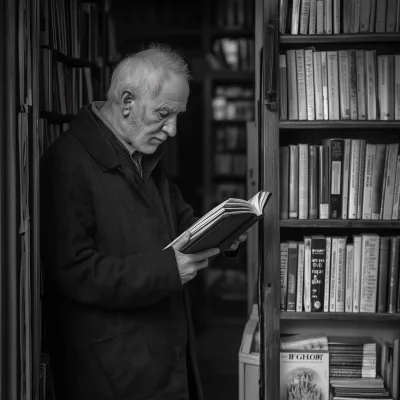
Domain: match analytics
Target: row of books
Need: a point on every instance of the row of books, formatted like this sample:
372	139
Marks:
225	109
65	89
236	54
330	274
233	14
317	17
230	138
230	164
74	28
339	85
340	179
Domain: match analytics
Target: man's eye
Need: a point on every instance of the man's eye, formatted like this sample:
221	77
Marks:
163	114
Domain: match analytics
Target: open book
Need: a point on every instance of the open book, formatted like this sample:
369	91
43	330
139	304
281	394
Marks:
224	223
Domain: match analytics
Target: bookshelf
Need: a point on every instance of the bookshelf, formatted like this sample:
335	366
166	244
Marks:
383	327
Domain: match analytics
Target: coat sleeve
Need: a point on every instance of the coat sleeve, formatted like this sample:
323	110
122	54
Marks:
70	258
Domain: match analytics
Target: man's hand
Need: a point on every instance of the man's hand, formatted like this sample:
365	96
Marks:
189	264
236	243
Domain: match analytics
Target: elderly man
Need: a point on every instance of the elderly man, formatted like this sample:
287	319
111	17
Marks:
119	323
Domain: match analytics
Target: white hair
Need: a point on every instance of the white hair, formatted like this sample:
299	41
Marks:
145	72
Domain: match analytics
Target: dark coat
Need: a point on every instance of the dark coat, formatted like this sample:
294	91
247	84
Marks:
119	323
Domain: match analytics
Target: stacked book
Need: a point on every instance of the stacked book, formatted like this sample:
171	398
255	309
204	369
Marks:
359	388
328	274
340	179
339	85
338	16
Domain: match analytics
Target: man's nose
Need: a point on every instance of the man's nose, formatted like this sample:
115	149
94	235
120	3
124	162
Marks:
170	127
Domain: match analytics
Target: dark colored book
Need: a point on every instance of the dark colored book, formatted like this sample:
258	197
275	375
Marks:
393	274
323	187
284	182
383	273
224	223
318	251
292	276
313	203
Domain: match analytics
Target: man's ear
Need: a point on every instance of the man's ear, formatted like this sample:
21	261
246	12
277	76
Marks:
127	102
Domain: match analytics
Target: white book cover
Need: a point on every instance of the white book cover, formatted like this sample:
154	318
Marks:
309	64
294	29
303	181
284	247
369	272
292	85
327	272
328	17
361	93
370	66
304	16
397	85
385	87
307	274
349	277
319	105
313	17
344	84
304	374
357	272
333	85
361	172
324	76
370	154
390	181
336	16
320	17
334	265
396	197
300	277
341	275
353	178
301	85
345	178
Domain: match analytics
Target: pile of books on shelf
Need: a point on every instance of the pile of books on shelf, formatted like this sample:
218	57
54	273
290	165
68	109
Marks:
338	368
233	14
339	85
338	16
233	103
340	179
332	274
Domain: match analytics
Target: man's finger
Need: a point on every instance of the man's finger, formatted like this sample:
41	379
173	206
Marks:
182	241
202	255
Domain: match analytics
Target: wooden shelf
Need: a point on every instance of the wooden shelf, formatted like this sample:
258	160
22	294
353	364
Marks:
232	76
326	316
338	223
339	124
342	38
56	118
71	61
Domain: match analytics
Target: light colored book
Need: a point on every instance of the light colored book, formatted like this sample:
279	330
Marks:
345	178
380	17
386	87
344	84
390	181
328	17
294	28
369	272
283	89
334	268
284	271
304	17
378	180
370	68
349	277
341	274
353	178
333	85
303	181
320	17
309	65
336	16
304	342
361	172
328	251
319	105
397	85
313	18
301	85
324	77
307	274
300	277
396	196
370	154
292	85
356	272
361	92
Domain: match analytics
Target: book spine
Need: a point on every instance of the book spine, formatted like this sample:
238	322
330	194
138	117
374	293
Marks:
396	196
307	274
292	85
344	89
283	98
361	93
328	17
353	84
303	181
323	182
301	85
313	182
341	275
391	16
393	274
320	17
319	105
308	55
365	14
293	181
370	58
361	172
347	13
324	76
336	158
300	278
377	182
284	181
328	246
372	16
383	274
356	16
353	178
357	273
370	153
283	9
304	16
333	85
313	17
397	85
380	18
318	249
369	272
346	174
385	86
334	264
383	185
390	181
291	276
284	271
349	277
336	16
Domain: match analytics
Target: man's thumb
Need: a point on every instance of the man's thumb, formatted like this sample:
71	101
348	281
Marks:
183	239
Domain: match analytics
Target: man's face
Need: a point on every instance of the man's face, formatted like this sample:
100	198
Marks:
152	121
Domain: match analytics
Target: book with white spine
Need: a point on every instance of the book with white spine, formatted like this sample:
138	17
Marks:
320	17
284	247
353	84
361	89
390	181
370	71
334	265
370	154
324	76
294	28
344	84
319	105
341	274
356	272
328	251
303	181
336	16
333	85
309	65
386	87
353	178
328	17
349	277
304	17
300	277
301	85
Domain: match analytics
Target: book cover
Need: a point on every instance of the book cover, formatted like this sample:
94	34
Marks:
283	9
336	16
301	84
324	76
292	85
328	252
370	153
309	66
334	267
284	182
318	252
320	17
361	88
313	200
353	178
370	65
344	81
393	274
336	160
353	84
349	277
300	277
383	273
291	275
389	181
319	103
397	83
333	85
293	181
380	18
361	172
345	178
313	18
303	181
328	17
304	17
295	17
323	182
391	9
307	274
341	275
396	196
385	64
365	14
304	375
356	272
378	180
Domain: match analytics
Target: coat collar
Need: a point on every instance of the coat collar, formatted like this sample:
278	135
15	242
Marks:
85	127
